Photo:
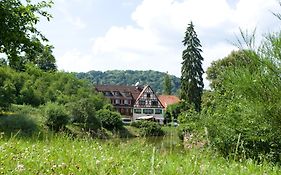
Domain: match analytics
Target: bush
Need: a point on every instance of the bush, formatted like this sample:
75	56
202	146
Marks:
110	120
56	116
148	128
17	123
244	112
174	110
24	109
83	113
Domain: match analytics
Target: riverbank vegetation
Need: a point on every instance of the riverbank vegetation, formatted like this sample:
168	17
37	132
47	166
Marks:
61	154
241	113
51	122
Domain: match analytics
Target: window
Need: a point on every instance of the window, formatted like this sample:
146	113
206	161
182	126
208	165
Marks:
126	102
158	111
137	111
107	93
148	95
116	93
148	111
127	94
142	102
154	103
117	101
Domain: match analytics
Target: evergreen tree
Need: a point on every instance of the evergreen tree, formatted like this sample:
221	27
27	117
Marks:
191	71
167	84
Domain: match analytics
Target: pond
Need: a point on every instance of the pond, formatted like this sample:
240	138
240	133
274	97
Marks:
170	141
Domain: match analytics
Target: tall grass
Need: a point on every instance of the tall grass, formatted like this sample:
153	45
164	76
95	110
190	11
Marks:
61	154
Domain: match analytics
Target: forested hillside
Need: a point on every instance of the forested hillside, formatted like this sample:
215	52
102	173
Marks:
129	77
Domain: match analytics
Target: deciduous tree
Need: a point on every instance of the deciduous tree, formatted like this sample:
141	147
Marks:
167	84
19	35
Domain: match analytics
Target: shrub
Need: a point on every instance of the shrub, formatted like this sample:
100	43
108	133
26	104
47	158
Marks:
174	110
109	120
15	123
148	128
24	109
244	113
56	116
83	113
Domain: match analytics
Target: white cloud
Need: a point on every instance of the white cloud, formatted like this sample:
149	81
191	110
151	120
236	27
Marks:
75	61
153	41
76	21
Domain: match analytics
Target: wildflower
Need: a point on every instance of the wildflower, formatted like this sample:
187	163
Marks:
20	167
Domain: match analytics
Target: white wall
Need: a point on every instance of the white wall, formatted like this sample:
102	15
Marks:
156	116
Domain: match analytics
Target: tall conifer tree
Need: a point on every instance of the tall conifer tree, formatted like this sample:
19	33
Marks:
192	71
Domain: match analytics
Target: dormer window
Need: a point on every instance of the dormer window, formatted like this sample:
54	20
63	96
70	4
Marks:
127	94
116	93
107	93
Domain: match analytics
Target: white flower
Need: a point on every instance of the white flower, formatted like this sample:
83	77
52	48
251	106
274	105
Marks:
20	167
97	162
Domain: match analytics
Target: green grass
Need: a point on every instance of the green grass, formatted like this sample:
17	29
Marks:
60	154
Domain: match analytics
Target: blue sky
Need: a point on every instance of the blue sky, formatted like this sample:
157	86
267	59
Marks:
147	34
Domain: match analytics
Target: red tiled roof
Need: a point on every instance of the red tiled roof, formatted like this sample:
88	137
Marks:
168	99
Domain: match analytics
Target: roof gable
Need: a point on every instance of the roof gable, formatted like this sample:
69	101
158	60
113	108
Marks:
148	99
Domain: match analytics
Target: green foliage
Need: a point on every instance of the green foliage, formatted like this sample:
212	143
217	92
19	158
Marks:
108	107
18	124
83	113
192	71
148	128
65	155
174	110
56	116
215	73
190	122
36	87
19	38
167	84
109	120
129	77
7	88
244	110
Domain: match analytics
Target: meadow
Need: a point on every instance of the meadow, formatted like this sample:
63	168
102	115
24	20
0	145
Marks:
62	154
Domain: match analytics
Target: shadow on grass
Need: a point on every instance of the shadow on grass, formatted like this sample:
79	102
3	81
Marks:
20	125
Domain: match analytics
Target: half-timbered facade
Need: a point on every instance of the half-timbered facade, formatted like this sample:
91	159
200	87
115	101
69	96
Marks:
134	102
148	104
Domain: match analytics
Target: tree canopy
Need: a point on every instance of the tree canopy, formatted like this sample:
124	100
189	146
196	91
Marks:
235	60
167	85
20	40
129	77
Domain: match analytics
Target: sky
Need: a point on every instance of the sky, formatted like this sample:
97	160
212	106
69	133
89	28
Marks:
147	34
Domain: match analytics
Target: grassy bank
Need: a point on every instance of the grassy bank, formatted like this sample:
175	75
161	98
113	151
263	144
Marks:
65	155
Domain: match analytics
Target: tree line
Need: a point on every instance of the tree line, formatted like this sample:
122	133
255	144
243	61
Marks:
130	77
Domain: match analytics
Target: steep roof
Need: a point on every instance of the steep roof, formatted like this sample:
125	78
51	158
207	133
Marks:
168	100
134	90
141	95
